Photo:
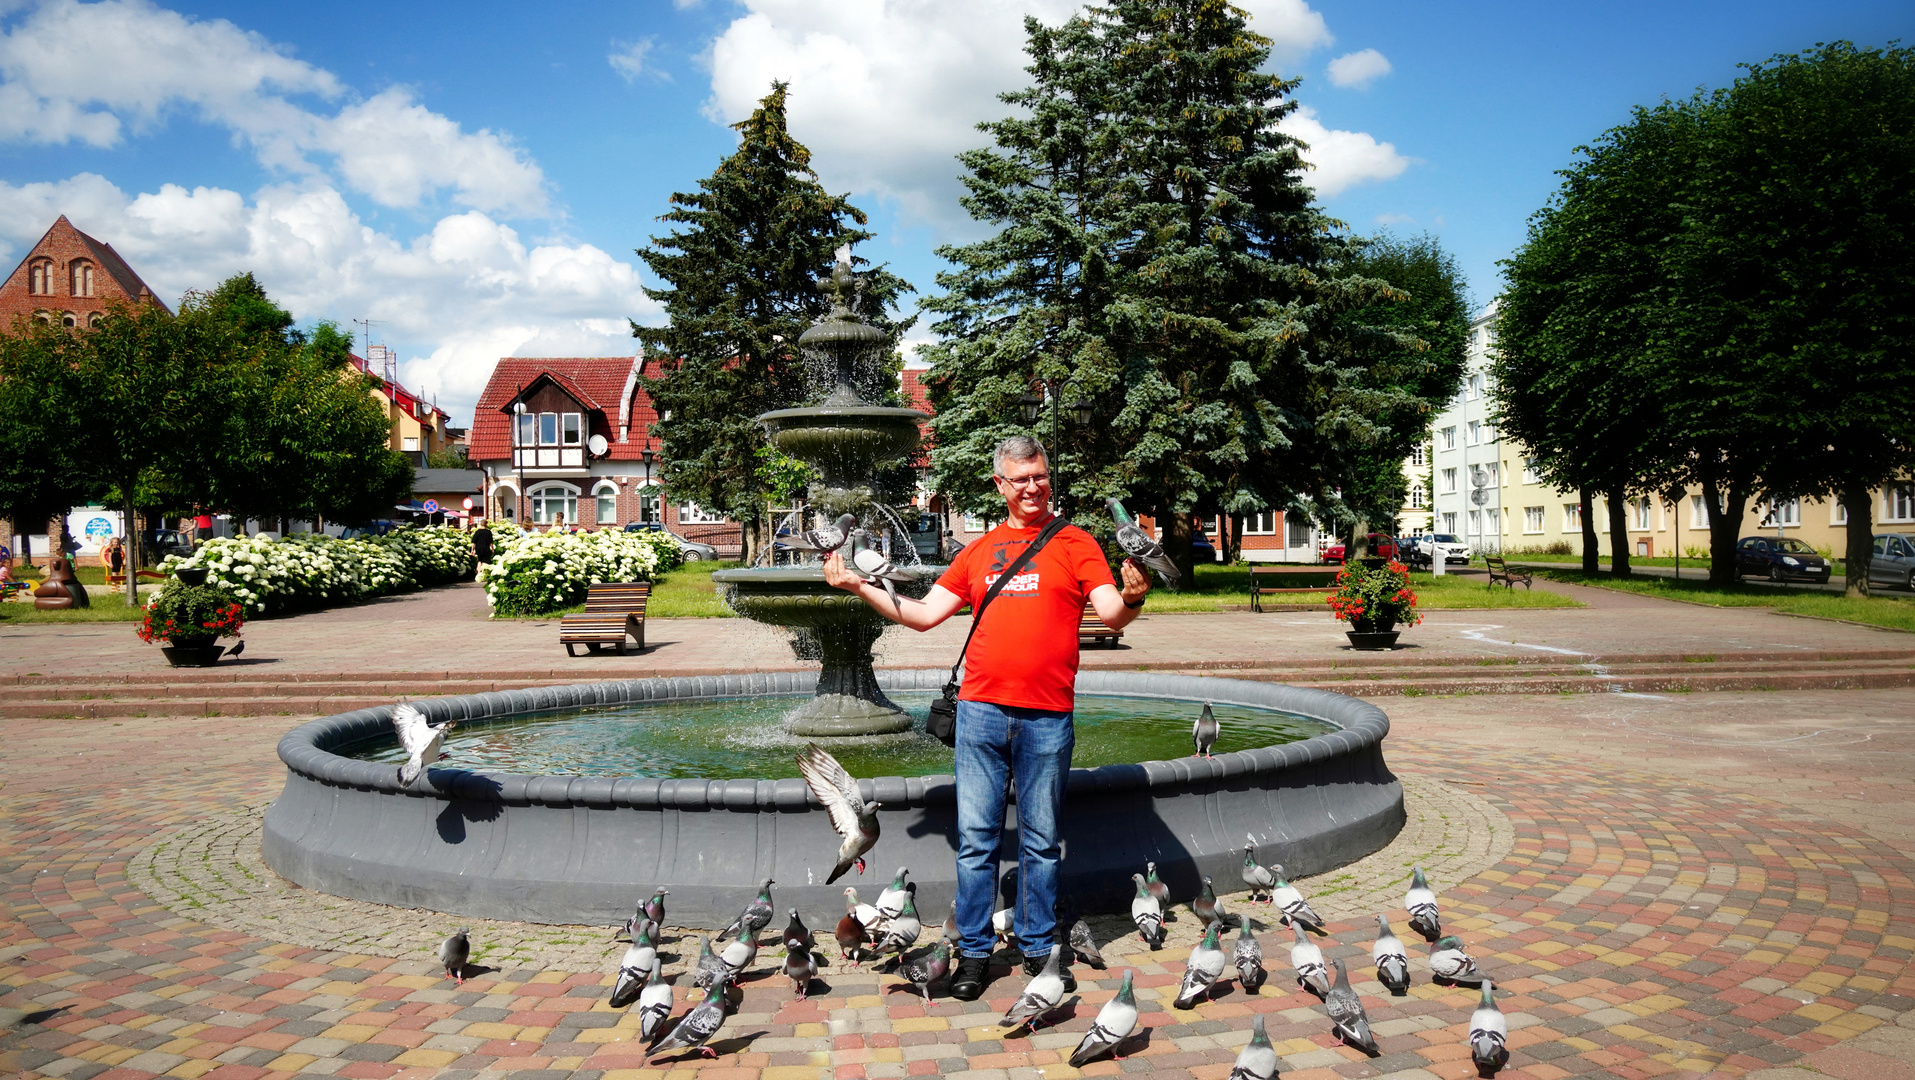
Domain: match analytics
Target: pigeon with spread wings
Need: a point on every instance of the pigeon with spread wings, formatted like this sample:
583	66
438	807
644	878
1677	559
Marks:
422	741
855	819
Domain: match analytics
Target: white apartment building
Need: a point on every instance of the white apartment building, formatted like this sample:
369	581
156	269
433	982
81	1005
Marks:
1467	460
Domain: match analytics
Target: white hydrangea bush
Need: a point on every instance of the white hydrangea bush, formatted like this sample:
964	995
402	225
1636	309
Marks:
311	570
540	572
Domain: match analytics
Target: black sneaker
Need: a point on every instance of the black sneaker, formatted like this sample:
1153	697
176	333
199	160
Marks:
1035	964
967	982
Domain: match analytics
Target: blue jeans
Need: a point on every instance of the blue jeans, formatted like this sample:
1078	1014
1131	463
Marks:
1035	748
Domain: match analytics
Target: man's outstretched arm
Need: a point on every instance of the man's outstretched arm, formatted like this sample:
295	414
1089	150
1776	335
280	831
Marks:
939	605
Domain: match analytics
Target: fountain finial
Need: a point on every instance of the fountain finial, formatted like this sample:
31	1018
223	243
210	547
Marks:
846	286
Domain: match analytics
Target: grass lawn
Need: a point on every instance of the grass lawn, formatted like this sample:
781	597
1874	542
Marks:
1875	611
1221	588
106	607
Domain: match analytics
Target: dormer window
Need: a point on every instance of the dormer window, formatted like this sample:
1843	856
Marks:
80	277
570	426
548	429
40	277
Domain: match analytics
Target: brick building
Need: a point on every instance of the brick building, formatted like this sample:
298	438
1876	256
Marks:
70	278
545	464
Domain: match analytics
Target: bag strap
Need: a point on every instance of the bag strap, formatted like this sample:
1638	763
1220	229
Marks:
1055	526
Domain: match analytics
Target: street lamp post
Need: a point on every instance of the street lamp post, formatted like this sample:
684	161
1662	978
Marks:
1032	408
518	457
644	511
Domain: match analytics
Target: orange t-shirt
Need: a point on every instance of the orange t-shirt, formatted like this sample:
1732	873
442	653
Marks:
1025	650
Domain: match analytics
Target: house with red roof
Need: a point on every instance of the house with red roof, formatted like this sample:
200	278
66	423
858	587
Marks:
69	278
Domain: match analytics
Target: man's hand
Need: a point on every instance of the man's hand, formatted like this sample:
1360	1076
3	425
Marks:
1136	582
840	576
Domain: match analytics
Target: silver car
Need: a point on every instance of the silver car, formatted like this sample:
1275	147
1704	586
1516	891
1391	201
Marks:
1893	560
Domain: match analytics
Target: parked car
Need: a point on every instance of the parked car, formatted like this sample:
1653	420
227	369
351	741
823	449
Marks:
1382	546
164	542
693	550
1781	558
1893	560
1421	550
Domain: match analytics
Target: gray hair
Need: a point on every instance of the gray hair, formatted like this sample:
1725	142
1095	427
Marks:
1015	448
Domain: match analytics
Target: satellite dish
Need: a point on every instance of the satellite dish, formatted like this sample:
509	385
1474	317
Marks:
598	445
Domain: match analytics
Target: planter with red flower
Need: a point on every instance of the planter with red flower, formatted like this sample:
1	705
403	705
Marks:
1373	599
191	619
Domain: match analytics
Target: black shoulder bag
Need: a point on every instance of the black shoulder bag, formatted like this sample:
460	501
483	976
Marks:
941	724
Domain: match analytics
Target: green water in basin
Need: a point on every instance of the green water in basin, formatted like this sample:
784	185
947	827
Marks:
742	738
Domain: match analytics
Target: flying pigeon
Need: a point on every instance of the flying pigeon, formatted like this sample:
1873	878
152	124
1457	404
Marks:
800	967
891	897
928	968
1148	914
454	951
1205	906
633	970
738	955
1307	959
1203	733
1078	935
1261	879
824	539
655	908
697	1027
1294	907
1258	1059
1138	544
1449	961
1159	890
876	566
1043	994
1392	963
1487	1032
1201	971
904	930
1115	1022
855	819
1248	957
710	969
1420	902
422	741
755	917
654	1003
1347	1018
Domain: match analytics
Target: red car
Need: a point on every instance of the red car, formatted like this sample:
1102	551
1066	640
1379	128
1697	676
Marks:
1381	547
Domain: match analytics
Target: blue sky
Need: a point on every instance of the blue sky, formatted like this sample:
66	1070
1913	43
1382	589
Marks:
474	177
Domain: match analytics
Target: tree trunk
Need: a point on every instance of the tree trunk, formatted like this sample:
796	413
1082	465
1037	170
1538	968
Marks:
1618	533
1860	503
1233	539
1178	529
130	565
1359	544
1586	513
1725	521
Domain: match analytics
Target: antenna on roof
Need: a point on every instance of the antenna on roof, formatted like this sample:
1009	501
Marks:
368	324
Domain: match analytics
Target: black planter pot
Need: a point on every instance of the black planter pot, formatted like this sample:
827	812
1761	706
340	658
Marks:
1372	634
192	655
191	575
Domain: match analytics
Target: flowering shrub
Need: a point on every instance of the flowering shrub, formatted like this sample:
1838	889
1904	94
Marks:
190	615
1379	596
539	572
312	570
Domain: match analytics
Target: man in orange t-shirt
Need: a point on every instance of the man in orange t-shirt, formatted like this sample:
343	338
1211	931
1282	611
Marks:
1014	717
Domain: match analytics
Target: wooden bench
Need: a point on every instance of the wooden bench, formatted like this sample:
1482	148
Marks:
612	612
1263	576
1500	571
1092	630
114	580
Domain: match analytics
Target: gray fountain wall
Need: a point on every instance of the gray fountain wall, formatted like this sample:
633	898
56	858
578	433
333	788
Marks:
585	849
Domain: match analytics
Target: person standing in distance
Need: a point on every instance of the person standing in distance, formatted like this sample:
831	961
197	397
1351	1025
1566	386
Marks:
1014	712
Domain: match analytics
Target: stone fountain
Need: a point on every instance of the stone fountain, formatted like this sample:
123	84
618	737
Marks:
846	439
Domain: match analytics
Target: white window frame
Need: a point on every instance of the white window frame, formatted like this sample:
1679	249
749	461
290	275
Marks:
1791	514
601	491
1493	519
1530	474
1419	499
651	502
571	429
1475	523
1449	437
1698	512
1449	481
1449	523
1475	435
540	503
1573	517
80	277
1898	502
526	431
1641	513
1838	513
548	422
409	443
1419	456
1533	519
1259	523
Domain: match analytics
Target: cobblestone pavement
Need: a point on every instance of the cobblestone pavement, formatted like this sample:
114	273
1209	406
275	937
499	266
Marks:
1702	885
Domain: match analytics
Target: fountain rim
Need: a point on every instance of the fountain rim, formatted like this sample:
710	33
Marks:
843	412
809	575
306	750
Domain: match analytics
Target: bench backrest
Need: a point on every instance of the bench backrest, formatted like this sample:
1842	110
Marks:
1495	562
618	596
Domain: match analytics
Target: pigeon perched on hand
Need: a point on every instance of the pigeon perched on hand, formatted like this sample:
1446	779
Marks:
855	819
1488	1031
1258	1059
928	969
1347	1018
1420	902
1307	959
422	741
1248	956
1294	907
1042	995
1115	1022
654	1003
756	916
1201	970
1148	914
697	1027
1392	963
1449	961
1139	545
824	539
1203	733
876	566
454	951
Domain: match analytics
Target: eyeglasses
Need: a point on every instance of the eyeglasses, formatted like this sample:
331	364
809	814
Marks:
1038	480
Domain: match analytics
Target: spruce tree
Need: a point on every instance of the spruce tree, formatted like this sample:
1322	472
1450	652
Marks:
742	275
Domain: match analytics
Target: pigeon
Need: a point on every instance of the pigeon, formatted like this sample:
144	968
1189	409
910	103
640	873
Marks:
709	969
876	566
655	909
797	935
928	968
903	931
1347	1018
1004	923
755	917
654	1003
1078	935
1159	890
1043	994
1258	1059
1205	906
1203	733
696	1027
1115	1022
1248	957
1487	1032
1201	971
952	935
855	819
633	970
1307	959
1261	879
891	897
851	939
422	741
1148	914
1449	961
824	539
1392	963
738	955
1294	907
1420	902
1138	544
800	967
636	925
454	951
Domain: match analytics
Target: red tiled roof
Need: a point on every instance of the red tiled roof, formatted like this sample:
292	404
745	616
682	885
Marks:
916	394
605	385
400	396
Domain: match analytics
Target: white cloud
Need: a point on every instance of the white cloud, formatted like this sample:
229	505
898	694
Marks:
77	72
1293	29
1341	159
1358	70
630	59
465	293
